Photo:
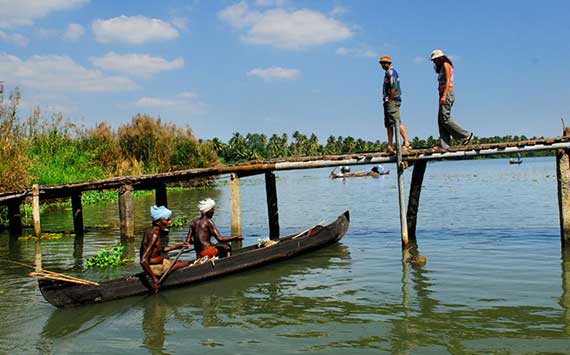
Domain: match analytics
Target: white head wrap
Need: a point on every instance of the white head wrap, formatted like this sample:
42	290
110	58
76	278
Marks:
161	212
206	205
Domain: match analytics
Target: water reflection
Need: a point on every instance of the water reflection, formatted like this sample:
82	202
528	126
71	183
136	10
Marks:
565	298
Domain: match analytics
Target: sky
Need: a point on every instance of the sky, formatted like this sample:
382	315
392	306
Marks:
277	66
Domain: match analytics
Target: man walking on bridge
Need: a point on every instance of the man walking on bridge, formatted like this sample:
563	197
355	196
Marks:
391	98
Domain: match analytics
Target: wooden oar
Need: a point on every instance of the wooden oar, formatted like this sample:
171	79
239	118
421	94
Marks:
46	274
171	265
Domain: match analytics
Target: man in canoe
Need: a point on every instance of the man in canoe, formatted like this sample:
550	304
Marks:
202	229
153	261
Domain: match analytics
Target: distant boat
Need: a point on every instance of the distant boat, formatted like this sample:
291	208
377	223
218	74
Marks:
335	175
517	160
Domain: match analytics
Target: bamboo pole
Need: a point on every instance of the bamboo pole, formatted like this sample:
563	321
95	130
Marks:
235	206
36	210
401	193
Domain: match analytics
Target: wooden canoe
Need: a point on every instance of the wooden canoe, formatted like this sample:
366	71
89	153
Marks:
334	175
65	294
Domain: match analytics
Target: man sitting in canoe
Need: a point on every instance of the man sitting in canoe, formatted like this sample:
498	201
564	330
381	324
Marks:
202	229
151	253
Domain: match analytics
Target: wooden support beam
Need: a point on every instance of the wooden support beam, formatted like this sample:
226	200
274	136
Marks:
160	196
565	297
414	198
235	206
272	208
77	210
563	180
15	217
126	211
36	209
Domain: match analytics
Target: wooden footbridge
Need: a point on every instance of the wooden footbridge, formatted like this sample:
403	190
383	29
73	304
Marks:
416	158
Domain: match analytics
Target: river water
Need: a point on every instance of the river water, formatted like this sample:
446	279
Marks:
495	282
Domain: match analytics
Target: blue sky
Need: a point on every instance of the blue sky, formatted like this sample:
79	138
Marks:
276	66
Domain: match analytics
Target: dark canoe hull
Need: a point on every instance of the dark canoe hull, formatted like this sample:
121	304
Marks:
515	161
358	174
64	294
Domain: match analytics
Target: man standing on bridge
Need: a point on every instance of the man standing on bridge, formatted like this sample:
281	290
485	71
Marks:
152	260
391	98
202	229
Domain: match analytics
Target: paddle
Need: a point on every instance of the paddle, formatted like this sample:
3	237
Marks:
173	263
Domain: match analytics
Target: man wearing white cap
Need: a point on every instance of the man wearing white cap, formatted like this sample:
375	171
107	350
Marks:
152	260
448	127
202	229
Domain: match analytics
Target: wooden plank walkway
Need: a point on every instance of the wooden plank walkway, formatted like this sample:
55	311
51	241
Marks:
153	181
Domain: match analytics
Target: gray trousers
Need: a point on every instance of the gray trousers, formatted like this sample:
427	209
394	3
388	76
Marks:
448	127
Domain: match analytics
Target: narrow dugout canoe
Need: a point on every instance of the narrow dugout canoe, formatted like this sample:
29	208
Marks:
334	175
65	294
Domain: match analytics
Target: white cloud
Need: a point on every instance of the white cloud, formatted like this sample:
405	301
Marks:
274	73
133	30
339	10
136	64
74	32
58	73
284	29
180	22
183	102
270	2
24	12
357	52
14	38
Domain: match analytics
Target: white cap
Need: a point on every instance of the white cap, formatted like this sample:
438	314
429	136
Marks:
436	54
206	205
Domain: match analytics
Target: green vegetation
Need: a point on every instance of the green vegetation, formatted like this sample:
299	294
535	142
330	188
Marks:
256	146
111	257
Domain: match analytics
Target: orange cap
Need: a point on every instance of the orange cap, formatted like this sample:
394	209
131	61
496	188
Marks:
385	59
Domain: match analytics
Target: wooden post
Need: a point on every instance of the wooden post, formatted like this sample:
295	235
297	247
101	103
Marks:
272	208
160	196
36	209
414	198
126	212
15	217
563	179
235	206
77	210
401	193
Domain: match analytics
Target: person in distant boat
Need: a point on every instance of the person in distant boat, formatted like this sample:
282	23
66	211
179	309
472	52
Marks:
448	127
378	168
202	229
152	259
392	99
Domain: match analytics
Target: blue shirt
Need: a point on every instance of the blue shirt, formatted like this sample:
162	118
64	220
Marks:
391	81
